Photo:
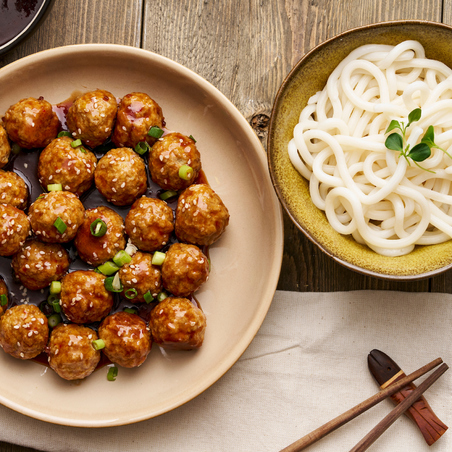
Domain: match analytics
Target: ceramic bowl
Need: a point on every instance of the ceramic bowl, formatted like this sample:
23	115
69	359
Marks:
244	273
310	75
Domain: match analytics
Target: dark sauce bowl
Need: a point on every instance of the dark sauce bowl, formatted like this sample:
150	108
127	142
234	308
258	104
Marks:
18	18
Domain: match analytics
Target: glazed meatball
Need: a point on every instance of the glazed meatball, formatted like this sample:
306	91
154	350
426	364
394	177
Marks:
149	223
3	300
97	250
137	113
14	229
184	269
177	323
43	214
168	155
5	148
121	176
71	353
24	331
142	276
13	189
201	216
84	298
37	264
127	339
31	123
73	168
92	116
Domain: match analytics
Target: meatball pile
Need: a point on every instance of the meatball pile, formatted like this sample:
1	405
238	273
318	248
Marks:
117	276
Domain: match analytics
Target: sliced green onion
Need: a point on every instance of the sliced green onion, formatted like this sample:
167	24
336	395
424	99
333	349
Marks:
98	228
3	299
158	258
76	143
51	298
60	225
108	268
155	132
113	283
185	172
64	133
142	147
56	306
98	344
148	298
121	258
167	195
54	187
191	137
15	148
54	320
161	296
54	301
45	308
112	373
55	287
131	310
131	293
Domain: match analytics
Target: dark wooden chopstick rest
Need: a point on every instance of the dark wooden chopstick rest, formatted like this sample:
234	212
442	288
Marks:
386	372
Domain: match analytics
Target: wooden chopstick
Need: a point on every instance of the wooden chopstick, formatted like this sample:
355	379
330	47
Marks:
343	418
387	421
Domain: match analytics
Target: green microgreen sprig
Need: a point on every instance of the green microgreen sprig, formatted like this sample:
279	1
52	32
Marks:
419	152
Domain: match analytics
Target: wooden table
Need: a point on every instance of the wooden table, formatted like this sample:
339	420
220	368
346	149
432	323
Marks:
245	49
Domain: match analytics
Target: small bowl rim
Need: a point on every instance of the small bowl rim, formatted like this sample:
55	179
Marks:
271	130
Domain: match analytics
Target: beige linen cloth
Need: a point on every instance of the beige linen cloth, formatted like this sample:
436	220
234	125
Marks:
307	364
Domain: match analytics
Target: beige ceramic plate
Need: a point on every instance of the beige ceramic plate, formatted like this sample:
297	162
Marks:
306	78
245	262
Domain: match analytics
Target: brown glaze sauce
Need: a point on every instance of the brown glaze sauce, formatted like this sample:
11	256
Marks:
25	164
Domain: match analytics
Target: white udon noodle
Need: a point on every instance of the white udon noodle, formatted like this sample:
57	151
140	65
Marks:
365	189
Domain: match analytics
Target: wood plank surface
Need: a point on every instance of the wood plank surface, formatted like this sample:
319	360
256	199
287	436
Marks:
245	49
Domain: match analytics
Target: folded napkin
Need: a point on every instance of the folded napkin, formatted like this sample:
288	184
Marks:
307	364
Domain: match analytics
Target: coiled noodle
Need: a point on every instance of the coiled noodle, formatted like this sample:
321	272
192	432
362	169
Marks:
365	189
